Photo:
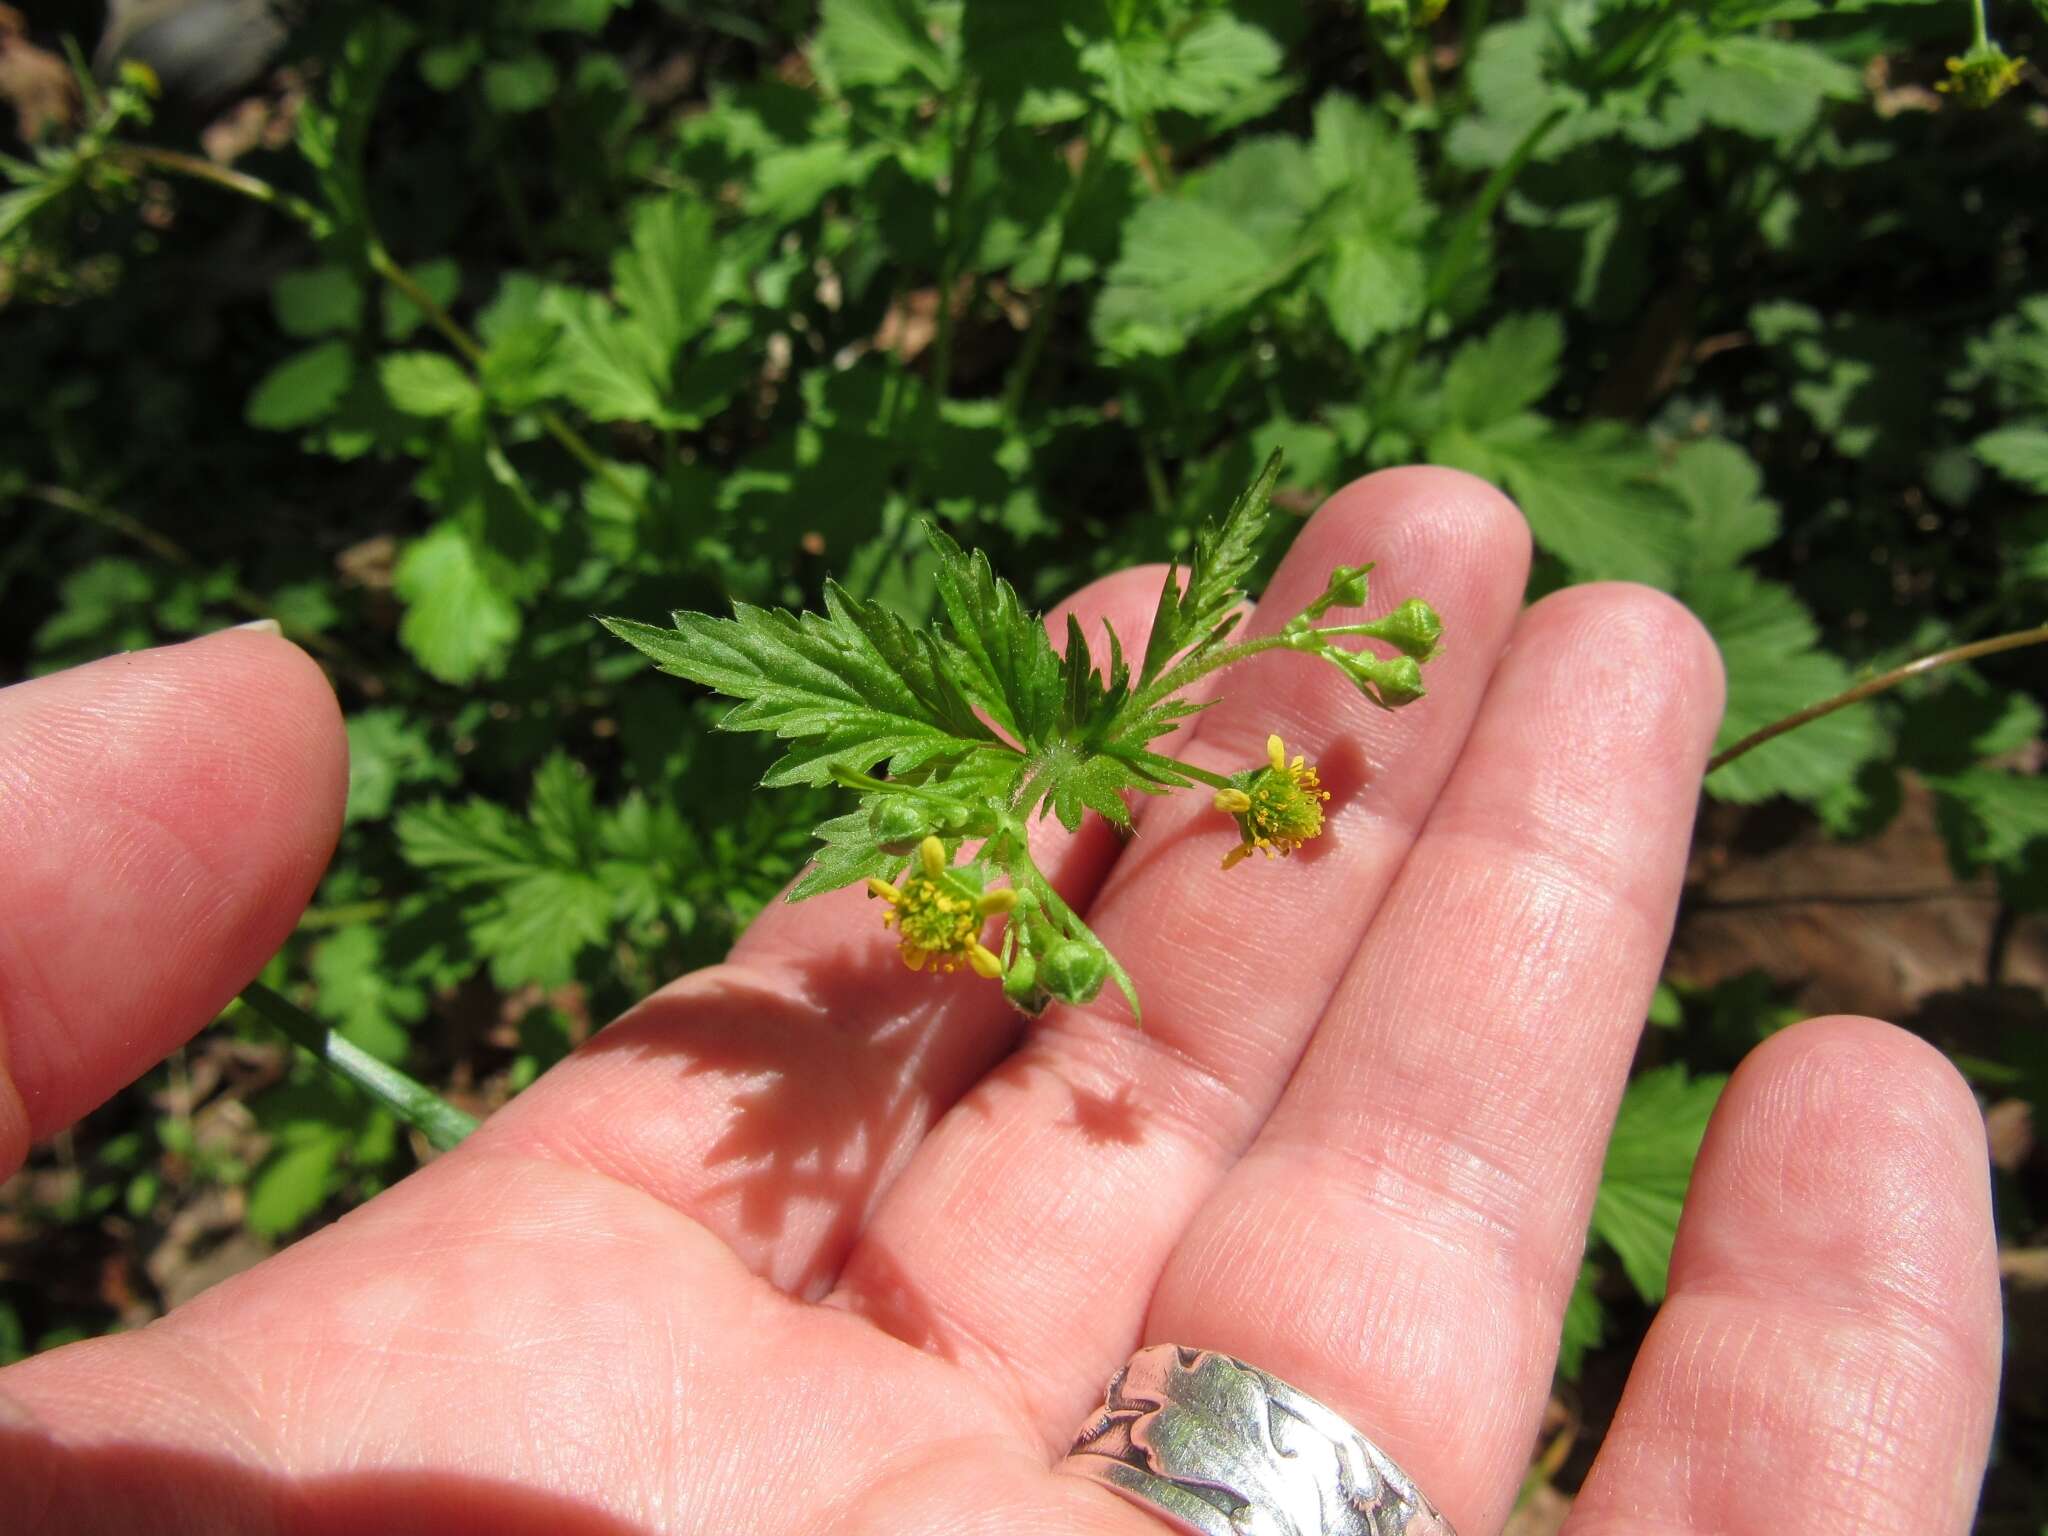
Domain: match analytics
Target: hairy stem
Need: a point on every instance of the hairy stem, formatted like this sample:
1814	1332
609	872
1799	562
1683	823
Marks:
1870	687
413	1102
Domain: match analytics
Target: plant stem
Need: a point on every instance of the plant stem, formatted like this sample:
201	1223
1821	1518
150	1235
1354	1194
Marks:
1480	213
413	1102
1980	36
178	163
961	174
381	263
1870	687
1041	311
173	553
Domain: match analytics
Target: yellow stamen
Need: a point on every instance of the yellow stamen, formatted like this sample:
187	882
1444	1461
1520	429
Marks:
1276	754
933	853
992	902
984	961
886	891
1233	802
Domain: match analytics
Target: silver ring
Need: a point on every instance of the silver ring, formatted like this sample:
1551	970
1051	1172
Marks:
1219	1448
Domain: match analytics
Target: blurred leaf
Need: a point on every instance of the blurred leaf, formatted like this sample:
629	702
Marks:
1649	1163
1722	490
520	83
1585	1324
459	623
876	42
317	300
291	1185
387	749
303	388
1769	649
428	383
2018	453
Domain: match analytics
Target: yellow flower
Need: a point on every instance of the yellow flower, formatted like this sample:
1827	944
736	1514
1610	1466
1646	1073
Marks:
938	916
1981	76
1278	807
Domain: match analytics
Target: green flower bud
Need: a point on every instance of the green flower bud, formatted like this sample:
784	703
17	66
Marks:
1347	588
1074	970
1389	684
1020	984
1413	629
899	824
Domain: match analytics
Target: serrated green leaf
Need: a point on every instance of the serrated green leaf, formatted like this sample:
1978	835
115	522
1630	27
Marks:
1722	490
999	650
1989	817
1769	650
1210	251
386	750
665	274
302	389
877	42
540	883
459	622
1657	1136
1496	377
358	992
1190	615
1767	87
1590	493
852	687
317	301
2019	453
428	384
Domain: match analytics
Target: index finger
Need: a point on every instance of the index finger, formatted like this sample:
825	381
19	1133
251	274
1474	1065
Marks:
164	817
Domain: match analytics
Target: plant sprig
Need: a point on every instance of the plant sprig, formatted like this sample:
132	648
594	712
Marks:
964	731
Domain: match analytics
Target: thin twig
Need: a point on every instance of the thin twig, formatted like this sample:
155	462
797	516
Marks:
1870	687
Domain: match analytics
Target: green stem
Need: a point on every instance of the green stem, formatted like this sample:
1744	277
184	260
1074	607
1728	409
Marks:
1041	312
962	173
1480	213
1870	687
177	163
172	553
1980	28
413	1102
1152	151
381	263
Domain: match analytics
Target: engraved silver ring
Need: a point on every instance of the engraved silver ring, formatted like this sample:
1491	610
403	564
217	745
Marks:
1220	1448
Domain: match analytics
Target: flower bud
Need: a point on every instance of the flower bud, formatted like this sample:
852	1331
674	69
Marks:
1074	970
1389	684
1020	984
899	824
1413	629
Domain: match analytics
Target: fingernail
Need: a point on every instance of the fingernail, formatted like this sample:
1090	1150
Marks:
261	626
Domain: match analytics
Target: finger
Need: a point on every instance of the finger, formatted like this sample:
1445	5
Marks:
1036	1219
1402	1238
164	817
1827	1359
771	1097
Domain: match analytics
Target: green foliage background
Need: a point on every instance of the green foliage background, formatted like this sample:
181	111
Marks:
600	306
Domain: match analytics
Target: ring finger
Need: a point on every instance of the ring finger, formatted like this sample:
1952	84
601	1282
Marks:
1401	1239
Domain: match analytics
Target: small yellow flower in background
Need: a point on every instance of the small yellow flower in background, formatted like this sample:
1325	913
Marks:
938	916
1981	76
1279	807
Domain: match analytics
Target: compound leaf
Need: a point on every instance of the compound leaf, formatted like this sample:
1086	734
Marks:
852	687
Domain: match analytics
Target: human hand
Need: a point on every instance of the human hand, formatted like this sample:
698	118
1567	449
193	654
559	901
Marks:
810	1243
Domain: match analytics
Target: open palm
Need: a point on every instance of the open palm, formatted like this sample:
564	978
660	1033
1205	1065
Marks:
808	1243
